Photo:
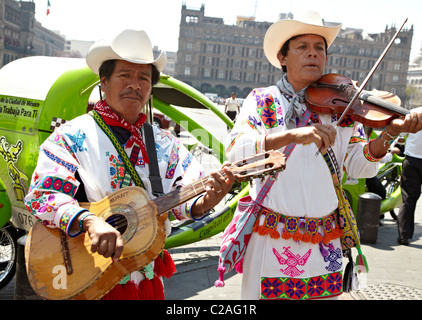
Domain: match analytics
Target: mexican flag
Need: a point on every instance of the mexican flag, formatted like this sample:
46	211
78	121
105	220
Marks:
48	7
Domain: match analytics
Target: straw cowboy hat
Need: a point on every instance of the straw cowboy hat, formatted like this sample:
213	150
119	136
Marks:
130	45
307	22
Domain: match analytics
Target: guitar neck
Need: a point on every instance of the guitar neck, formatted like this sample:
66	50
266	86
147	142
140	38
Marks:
258	165
180	195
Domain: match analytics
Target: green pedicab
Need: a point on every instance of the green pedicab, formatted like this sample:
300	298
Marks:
389	175
38	93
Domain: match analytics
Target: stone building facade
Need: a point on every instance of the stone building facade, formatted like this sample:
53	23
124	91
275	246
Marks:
414	82
213	56
21	35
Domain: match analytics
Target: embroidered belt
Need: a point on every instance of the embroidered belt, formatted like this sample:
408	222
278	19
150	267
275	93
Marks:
293	226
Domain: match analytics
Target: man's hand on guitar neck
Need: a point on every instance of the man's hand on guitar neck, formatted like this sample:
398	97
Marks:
217	186
105	239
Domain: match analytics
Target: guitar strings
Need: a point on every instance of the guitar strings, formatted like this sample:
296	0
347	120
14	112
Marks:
119	221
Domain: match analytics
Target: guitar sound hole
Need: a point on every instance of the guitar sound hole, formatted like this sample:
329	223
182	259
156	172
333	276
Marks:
118	222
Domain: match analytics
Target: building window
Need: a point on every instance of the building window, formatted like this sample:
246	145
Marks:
187	71
188	58
191	19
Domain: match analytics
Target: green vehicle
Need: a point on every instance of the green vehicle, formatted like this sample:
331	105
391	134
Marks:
37	94
389	175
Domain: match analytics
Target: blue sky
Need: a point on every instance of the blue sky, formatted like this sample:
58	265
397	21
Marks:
96	19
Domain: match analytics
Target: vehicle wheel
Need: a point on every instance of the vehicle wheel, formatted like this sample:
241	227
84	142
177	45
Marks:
393	215
8	254
156	123
390	188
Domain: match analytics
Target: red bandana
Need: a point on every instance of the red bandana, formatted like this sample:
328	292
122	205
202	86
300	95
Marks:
112	119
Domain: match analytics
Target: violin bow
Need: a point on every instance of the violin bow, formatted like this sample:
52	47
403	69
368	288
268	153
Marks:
370	74
368	77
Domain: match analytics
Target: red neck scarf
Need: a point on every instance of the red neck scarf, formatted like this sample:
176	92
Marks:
112	119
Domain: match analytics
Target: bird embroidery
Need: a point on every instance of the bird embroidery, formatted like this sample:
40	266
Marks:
78	140
292	261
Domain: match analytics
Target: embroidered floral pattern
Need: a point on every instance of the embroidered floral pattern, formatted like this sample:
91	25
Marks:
57	184
271	288
58	139
117	171
186	163
263	99
295	289
266	108
271	220
72	168
174	159
347	122
292	224
253	122
311	226
300	289
268	116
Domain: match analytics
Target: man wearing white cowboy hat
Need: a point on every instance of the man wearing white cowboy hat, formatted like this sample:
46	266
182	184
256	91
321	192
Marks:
95	166
295	250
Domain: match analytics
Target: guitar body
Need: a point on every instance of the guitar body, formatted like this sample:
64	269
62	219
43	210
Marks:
93	275
60	267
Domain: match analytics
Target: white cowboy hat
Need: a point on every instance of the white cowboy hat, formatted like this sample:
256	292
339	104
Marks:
306	22
130	45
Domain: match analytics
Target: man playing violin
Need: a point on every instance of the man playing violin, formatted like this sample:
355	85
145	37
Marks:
79	162
301	261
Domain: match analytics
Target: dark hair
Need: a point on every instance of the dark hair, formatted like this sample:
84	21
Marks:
285	49
107	69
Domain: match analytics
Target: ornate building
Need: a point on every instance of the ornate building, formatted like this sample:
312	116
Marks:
21	35
414	82
213	56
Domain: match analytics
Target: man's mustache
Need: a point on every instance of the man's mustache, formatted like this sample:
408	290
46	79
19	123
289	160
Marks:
131	93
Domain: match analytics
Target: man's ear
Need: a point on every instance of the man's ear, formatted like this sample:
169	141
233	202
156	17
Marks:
281	58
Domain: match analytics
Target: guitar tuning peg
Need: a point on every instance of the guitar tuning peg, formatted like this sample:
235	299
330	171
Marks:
251	181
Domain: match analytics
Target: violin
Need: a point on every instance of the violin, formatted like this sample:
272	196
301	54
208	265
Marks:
333	93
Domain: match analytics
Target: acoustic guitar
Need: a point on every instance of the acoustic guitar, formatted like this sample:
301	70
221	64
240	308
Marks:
60	267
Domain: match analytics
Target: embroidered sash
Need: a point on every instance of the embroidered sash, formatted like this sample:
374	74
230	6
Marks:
129	168
294	225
